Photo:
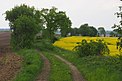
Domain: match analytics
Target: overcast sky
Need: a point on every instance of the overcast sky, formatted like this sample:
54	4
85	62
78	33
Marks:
96	13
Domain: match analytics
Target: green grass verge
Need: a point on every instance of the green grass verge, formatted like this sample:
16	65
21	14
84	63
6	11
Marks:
93	68
59	70
96	68
32	64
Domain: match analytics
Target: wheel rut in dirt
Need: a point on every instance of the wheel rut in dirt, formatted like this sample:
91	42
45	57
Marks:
74	71
43	76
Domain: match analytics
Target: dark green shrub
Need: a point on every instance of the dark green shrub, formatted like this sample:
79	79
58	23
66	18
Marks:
24	21
23	36
92	48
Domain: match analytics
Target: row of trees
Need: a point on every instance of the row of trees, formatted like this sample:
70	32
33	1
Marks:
55	20
86	30
26	22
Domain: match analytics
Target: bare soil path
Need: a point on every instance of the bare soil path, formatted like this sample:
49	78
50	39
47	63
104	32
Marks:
45	70
74	71
10	65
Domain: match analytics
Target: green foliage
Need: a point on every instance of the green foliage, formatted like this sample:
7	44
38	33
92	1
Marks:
56	20
31	65
86	30
92	48
113	34
25	24
64	23
119	47
102	68
22	10
24	34
93	31
101	31
74	31
119	44
59	70
118	29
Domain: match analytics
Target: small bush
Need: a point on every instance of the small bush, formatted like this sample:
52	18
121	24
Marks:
92	48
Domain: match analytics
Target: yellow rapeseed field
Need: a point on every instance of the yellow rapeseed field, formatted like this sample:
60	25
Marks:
70	42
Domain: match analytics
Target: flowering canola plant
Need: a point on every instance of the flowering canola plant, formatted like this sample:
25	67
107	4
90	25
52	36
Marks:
69	43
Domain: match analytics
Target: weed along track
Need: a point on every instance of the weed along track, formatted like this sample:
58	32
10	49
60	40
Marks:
74	71
45	70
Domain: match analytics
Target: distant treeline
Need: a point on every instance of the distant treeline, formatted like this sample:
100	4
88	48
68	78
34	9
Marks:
4	29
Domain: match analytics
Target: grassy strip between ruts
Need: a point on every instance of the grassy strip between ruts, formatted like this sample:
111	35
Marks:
96	68
59	70
32	64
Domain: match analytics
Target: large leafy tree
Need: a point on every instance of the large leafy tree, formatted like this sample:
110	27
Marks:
25	23
50	18
86	30
54	20
101	31
93	31
64	23
74	31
